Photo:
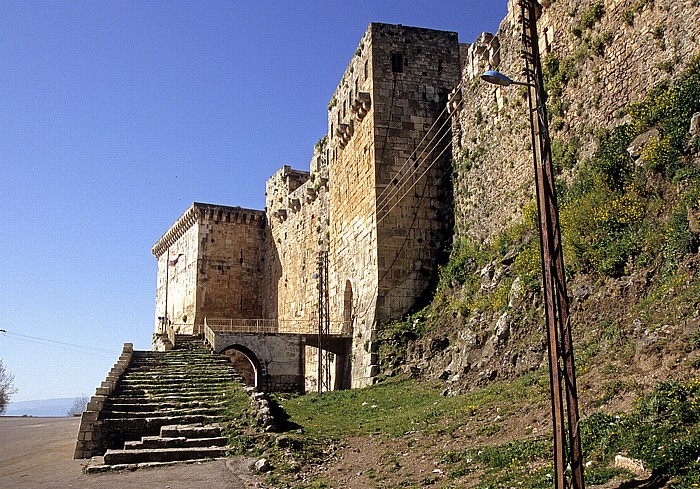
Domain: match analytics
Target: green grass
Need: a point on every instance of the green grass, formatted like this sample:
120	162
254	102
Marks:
662	430
397	406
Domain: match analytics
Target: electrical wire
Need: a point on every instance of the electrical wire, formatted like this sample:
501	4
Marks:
398	183
408	160
383	205
381	208
101	352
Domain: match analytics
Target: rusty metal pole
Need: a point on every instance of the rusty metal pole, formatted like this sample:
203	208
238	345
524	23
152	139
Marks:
556	302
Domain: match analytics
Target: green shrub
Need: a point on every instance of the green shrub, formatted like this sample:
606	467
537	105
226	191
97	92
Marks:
565	154
662	431
679	239
669	107
557	74
592	15
612	160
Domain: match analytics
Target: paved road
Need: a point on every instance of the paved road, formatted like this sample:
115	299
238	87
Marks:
38	453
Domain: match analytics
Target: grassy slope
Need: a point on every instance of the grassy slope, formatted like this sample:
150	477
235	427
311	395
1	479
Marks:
630	245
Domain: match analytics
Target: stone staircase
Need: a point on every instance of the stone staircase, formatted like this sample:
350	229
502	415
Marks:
168	406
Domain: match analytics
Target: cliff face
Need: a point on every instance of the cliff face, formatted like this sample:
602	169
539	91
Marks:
619	74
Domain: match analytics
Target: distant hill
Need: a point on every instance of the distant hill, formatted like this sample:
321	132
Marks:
43	407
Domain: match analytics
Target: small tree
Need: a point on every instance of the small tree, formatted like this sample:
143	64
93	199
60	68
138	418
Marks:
6	388
78	406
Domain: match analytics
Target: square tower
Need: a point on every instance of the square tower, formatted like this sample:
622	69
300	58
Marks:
388	170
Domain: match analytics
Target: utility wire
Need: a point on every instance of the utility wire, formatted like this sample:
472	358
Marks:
408	160
383	205
406	175
415	183
59	344
401	181
406	179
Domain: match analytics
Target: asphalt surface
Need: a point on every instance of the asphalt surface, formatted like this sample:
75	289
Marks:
38	453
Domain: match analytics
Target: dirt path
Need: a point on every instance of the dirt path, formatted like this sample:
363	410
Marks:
38	453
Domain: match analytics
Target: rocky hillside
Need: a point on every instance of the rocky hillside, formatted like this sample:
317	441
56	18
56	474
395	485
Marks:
623	79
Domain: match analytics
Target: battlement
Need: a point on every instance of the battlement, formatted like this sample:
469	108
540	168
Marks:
289	189
207	212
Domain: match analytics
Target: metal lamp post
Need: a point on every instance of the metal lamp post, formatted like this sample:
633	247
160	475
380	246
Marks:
556	301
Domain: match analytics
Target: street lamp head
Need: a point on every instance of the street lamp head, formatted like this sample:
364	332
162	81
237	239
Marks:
496	78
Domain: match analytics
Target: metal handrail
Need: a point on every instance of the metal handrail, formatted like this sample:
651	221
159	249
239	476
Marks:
296	326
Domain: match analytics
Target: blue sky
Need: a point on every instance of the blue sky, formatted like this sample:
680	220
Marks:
115	116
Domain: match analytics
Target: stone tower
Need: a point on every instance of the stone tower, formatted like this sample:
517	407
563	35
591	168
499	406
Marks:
388	173
215	267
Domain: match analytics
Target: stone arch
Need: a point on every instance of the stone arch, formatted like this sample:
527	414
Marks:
252	372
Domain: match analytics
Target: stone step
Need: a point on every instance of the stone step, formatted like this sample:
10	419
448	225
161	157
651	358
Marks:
178	369
109	414
191	431
177	442
167	397
120	404
112	456
184	363
180	376
176	383
152	425
140	391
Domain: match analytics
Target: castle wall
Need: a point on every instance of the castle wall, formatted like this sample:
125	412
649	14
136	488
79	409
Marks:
384	231
296	210
230	265
614	62
181	279
353	239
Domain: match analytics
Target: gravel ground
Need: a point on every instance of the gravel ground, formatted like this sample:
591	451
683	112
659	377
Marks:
38	453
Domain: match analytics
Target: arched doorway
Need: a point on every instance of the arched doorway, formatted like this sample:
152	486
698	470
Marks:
347	309
246	364
343	361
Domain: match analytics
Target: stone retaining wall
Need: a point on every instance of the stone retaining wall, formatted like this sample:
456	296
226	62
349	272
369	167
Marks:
90	434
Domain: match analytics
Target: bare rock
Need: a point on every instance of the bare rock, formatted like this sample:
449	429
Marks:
262	465
438	344
635	148
502	329
634	466
411	370
516	294
693	220
695	125
509	257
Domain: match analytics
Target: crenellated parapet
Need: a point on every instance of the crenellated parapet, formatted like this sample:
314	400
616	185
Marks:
288	190
185	222
352	99
206	212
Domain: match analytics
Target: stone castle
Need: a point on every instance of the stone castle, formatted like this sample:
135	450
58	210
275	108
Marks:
378	200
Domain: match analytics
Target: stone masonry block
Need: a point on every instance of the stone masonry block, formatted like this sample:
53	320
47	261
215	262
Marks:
89	416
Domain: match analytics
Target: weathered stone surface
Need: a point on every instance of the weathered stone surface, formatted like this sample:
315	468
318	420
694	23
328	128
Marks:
262	465
635	148
695	125
216	275
491	140
634	466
